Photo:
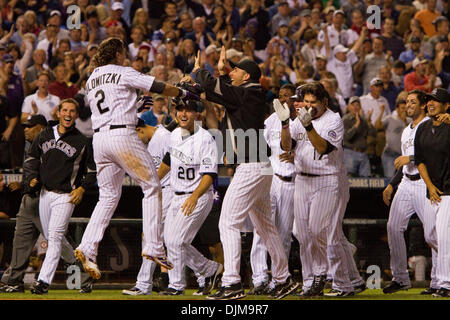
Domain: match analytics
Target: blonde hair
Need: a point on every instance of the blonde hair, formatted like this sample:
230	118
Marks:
182	49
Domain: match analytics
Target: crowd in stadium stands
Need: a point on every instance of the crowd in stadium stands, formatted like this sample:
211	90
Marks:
366	70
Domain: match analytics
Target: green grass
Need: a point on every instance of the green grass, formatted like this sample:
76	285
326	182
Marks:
411	294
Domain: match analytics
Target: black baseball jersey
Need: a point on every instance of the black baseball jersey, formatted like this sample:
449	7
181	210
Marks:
61	162
432	148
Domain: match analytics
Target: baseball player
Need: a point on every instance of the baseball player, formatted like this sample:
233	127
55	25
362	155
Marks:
281	195
432	154
192	163
111	93
60	159
410	198
243	99
156	140
317	140
28	227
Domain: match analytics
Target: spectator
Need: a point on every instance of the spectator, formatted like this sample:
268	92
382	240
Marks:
442	30
137	37
185	25
205	9
388	10
310	51
31	74
166	26
392	41
76	43
417	79
41	102
377	106
320	66
414	51
54	21
397	73
285	14
233	12
349	7
427	16
72	75
59	87
256	19
23	55
212	58
248	48
21	28
14	96
141	20
8	120
430	72
154	116
356	28
368	66
336	33
233	55
160	72
341	62
174	74
393	124
97	33
390	90
116	12
302	72
48	44
336	102
58	56
220	21
282	43
357	128
200	35
33	25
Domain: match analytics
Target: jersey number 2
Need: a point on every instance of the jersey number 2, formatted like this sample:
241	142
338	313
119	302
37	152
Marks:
100	101
190	173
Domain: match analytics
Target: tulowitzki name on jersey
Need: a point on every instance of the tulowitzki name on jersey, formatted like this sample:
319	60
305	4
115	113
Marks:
109	77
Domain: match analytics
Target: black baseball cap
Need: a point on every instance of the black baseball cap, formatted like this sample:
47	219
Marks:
34	120
249	66
440	95
415	39
140	123
189	104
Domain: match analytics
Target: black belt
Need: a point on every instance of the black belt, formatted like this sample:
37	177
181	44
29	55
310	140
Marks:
309	174
414	177
178	193
286	179
113	126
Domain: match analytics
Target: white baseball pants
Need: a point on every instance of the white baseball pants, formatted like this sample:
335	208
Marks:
316	201
441	232
54	212
247	194
117	152
410	198
282	205
179	231
145	276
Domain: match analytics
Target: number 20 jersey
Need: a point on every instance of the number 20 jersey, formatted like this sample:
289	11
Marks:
112	92
190	157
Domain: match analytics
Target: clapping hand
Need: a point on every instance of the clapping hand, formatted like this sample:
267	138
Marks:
304	116
282	110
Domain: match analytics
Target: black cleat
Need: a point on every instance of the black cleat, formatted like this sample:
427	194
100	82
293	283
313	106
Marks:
86	288
282	290
199	291
318	285
260	290
442	293
172	292
305	293
429	291
394	286
12	289
212	282
360	288
233	292
39	287
339	293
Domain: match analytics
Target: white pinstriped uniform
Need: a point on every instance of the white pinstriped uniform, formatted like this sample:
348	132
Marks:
111	93
190	158
157	147
55	211
410	198
317	200
247	195
281	200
